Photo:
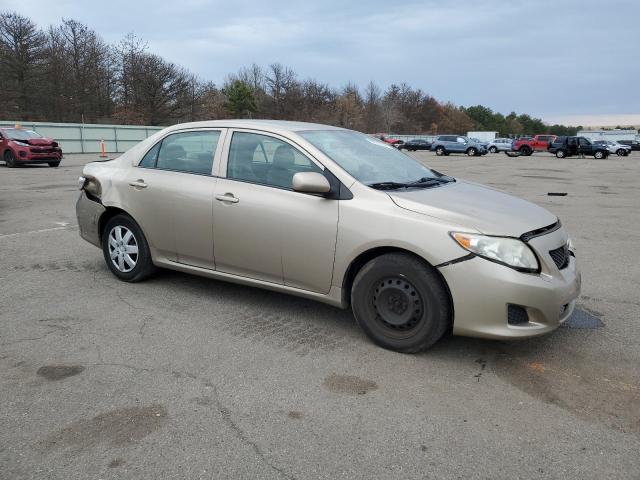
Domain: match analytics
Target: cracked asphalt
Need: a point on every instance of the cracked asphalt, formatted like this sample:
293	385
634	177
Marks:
185	377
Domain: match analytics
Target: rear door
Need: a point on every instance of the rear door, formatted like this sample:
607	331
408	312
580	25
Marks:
262	228
460	145
171	195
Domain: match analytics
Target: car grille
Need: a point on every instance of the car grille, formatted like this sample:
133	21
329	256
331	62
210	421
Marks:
560	256
41	149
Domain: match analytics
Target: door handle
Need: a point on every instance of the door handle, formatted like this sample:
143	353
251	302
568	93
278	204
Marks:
138	184
227	197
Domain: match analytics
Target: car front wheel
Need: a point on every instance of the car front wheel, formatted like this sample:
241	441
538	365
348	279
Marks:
599	154
493	150
9	159
472	152
561	154
401	303
126	250
621	152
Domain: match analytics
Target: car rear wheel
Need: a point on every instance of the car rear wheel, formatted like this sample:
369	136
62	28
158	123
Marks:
493	150
440	151
9	159
54	164
525	151
126	250
472	152
401	303
561	154
599	154
621	152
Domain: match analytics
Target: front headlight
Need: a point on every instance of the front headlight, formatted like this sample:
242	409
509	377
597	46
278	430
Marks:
22	144
511	252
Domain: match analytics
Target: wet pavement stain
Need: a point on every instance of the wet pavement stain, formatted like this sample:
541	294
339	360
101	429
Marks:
583	319
58	372
295	415
348	384
583	388
116	428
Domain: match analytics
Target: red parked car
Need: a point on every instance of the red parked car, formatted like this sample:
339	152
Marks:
391	141
537	143
20	147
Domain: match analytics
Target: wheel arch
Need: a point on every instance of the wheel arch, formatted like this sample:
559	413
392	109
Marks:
365	257
109	213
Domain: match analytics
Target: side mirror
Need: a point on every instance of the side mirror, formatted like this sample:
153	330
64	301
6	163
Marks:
310	182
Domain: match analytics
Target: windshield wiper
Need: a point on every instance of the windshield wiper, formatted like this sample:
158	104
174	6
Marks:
420	183
427	180
388	185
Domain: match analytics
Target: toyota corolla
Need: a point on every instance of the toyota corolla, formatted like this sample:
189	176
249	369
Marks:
336	216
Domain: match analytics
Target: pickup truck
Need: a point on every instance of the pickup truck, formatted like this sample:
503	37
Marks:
568	146
528	145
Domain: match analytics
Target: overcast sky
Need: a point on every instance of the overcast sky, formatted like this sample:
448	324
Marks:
561	60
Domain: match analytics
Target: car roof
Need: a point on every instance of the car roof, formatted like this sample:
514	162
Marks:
273	126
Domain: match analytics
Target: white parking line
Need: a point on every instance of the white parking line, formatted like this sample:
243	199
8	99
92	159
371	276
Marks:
44	230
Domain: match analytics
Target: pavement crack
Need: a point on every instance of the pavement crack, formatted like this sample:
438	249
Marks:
30	339
244	438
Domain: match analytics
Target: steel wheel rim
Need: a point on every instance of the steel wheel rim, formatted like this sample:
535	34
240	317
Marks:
397	303
123	249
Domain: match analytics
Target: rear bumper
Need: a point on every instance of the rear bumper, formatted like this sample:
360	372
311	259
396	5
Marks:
482	292
88	213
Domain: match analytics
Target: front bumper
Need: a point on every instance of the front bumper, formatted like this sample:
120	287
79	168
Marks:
38	154
482	291
88	213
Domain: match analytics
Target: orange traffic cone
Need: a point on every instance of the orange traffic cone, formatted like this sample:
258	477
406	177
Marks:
102	152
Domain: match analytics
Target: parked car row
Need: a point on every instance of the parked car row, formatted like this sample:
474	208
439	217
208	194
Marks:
561	146
619	149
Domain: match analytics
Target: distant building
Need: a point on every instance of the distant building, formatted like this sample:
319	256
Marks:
612	135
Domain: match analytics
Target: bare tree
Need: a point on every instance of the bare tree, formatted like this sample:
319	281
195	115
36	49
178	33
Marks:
21	58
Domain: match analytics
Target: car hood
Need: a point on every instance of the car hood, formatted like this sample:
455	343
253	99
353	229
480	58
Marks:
38	141
468	204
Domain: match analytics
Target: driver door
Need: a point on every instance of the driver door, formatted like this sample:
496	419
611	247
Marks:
264	230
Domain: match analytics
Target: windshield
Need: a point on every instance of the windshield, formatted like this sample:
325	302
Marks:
19	134
367	159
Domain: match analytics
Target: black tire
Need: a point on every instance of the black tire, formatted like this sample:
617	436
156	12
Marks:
599	154
493	150
561	153
54	164
526	151
472	152
621	152
143	265
440	151
9	159
401	303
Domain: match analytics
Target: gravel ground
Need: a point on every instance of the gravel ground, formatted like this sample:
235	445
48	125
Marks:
185	377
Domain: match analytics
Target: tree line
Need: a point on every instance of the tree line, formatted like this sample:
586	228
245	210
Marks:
68	73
